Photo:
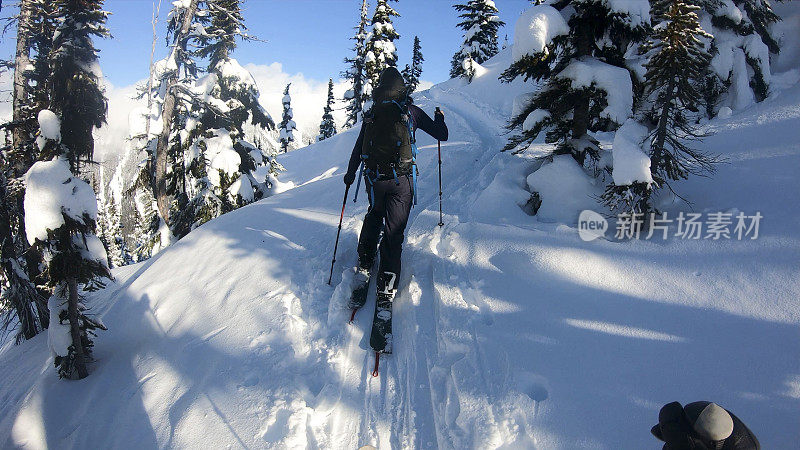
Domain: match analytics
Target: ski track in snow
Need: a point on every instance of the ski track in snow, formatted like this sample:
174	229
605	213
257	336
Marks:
508	332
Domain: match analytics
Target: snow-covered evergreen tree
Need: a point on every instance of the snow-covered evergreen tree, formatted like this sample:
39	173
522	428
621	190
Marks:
21	302
355	73
676	67
212	166
480	23
414	71
220	164
170	78
74	81
109	229
145	236
741	46
381	51
60	208
578	51
674	74
328	126
288	127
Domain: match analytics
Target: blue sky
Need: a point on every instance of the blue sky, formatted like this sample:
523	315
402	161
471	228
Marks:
305	36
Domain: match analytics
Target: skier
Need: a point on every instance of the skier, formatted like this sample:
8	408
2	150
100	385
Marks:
386	147
702	425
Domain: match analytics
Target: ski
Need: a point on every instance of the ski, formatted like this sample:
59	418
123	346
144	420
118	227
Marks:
381	337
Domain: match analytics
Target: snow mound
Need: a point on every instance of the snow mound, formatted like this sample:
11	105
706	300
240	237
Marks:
51	191
535	29
534	118
50	125
615	81
630	163
564	188
638	11
58	334
230	68
219	150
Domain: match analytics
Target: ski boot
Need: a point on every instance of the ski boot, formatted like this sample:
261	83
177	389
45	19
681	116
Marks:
360	284
381	337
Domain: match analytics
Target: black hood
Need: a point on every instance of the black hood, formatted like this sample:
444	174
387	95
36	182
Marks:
391	86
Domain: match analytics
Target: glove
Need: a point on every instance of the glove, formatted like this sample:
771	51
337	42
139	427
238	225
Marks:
349	178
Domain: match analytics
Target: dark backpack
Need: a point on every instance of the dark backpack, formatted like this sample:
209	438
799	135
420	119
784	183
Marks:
388	141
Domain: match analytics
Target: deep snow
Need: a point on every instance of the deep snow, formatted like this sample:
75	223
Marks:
510	332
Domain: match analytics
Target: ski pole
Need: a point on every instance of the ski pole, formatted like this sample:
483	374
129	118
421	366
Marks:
338	232
439	144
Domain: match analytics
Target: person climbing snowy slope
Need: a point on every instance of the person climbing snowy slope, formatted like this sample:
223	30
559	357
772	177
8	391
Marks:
386	148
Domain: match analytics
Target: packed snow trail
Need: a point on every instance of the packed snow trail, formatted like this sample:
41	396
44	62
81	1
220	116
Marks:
509	332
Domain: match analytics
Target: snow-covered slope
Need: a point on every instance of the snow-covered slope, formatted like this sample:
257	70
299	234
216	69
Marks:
509	332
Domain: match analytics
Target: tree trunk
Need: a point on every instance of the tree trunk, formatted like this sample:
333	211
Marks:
580	114
167	112
75	331
21	133
657	154
21	293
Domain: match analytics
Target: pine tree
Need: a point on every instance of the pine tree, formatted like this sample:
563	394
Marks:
741	45
212	163
380	51
220	163
179	67
145	237
148	226
328	127
118	254
288	126
581	64
74	255
162	173
356	72
674	73
480	24
108	224
19	296
676	66
414	71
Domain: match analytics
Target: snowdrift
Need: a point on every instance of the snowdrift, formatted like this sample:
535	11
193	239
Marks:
509	331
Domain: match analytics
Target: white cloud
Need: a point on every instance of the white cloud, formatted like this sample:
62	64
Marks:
308	96
109	140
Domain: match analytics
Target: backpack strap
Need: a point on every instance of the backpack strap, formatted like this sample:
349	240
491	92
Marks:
412	132
413	138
